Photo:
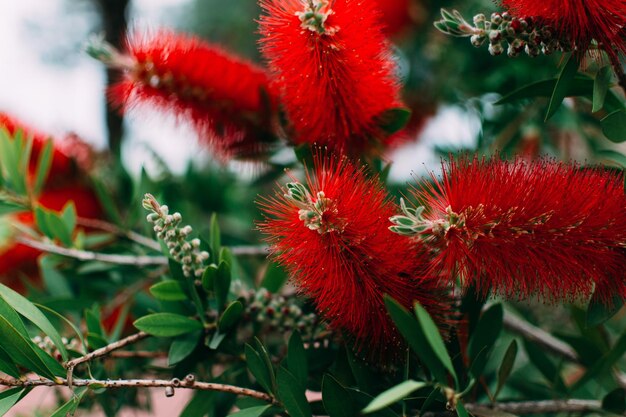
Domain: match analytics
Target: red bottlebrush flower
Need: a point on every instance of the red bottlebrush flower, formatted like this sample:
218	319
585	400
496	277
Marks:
396	16
226	99
331	236
333	68
524	229
579	21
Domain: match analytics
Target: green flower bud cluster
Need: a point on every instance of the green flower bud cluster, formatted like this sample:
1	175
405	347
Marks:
47	345
176	238
504	32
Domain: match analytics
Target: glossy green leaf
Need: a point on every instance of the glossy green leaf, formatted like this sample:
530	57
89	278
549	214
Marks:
600	87
292	394
411	330
274	278
460	410
297	359
230	316
167	324
598	312
256	411
506	366
9	398
393	395
182	347
222	284
7	366
393	120
561	89
69	407
434	339
208	278
168	291
32	313
614	126
484	337
43	166
336	398
215	239
259	369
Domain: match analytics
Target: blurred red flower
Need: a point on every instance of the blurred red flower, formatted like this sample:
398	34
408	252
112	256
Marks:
526	229
226	99
331	236
333	68
579	21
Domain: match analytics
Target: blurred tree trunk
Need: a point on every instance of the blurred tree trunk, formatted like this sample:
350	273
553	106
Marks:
114	22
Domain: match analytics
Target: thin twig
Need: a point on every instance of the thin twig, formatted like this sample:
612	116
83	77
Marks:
139	354
93	256
249	250
113	229
186	383
106	349
537	407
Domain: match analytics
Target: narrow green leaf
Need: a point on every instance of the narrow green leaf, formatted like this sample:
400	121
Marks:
484	337
215	239
544	365
7	366
292	394
105	197
54	281
32	313
393	120
258	368
460	410
598	312
393	395
614	126
8	208
601	87
41	220
222	284
9	398
411	330
208	278
604	364
68	216
167	324
169	290
434	339
274	278
561	89
251	411
182	347
506	366
336	398
230	316
297	359
43	166
69	407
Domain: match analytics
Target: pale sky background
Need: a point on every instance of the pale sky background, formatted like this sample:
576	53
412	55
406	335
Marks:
59	97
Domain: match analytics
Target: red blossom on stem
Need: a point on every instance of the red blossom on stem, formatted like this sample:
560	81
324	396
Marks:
579	21
333	67
331	236
227	100
524	229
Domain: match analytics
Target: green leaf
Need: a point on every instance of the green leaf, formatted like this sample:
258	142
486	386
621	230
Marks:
55	282
168	291
9	398
7	366
182	347
336	398
258	368
68	216
561	89
506	366
167	324
292	394
230	316
69	407
8	208
274	278
484	337
393	120
297	359
32	313
107	202
598	312
460	410
208	278
601	87
604	364
615	401
412	332
544	365
222	284
215	236
614	126
43	166
251	411
434	339
25	353
393	395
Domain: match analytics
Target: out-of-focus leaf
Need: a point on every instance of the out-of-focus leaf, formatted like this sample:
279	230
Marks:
296	358
601	87
615	401
215	239
506	366
393	395
274	279
252	411
393	120
336	398
260	367
598	312
167	324
544	365
292	394
230	316
222	284
484	337
614	126
182	347
9	398
604	364
69	407
561	89
208	278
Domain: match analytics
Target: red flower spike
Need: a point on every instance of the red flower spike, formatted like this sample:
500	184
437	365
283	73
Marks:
226	99
331	236
579	21
524	229
333	67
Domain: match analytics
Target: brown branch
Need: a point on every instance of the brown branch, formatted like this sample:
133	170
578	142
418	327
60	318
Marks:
93	256
113	229
536	407
70	365
187	383
140	354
